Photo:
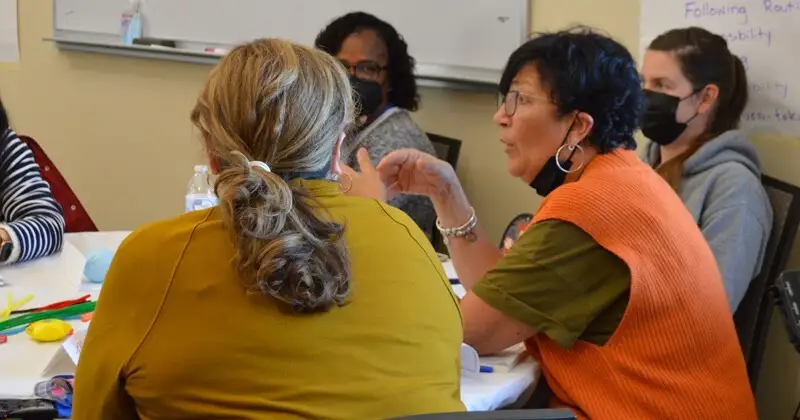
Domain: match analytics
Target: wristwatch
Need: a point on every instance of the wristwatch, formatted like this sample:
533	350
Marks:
6	245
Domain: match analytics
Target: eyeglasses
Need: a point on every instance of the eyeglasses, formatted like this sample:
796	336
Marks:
364	69
512	99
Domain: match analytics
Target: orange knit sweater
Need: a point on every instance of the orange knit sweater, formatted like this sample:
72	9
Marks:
675	354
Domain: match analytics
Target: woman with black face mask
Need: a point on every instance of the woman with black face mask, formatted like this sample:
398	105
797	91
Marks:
695	93
382	76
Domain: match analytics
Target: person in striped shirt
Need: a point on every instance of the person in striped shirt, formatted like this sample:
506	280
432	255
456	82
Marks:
31	221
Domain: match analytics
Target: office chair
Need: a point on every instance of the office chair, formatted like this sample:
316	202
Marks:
514	229
755	310
448	150
787	301
544	414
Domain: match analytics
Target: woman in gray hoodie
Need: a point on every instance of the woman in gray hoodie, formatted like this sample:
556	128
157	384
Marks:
695	93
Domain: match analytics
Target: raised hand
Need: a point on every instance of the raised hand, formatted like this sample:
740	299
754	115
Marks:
410	171
365	183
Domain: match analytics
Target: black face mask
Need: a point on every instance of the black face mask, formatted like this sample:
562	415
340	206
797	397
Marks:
551	177
659	121
367	94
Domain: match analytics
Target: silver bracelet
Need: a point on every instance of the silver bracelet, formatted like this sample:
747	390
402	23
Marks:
466	231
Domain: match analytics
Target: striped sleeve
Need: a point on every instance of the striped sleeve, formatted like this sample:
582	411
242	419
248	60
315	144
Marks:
29	213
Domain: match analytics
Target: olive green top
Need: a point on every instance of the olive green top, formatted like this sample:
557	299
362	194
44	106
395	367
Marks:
560	281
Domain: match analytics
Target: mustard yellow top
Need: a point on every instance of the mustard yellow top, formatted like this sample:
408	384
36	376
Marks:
175	335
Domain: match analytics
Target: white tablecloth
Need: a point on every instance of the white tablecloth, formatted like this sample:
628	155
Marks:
22	361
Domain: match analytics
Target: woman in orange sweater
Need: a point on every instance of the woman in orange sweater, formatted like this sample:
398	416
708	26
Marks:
612	286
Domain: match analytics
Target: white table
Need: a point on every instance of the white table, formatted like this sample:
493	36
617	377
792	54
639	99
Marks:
22	361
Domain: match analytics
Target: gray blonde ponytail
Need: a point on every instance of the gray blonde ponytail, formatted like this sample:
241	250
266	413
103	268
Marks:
286	105
293	255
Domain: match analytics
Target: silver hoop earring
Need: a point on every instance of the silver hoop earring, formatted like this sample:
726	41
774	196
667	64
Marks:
349	187
571	149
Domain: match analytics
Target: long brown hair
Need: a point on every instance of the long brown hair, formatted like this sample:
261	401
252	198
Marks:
705	59
285	105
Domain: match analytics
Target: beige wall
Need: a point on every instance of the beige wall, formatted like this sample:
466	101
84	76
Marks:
118	129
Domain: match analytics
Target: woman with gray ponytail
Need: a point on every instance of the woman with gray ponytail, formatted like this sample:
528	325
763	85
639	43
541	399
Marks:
291	299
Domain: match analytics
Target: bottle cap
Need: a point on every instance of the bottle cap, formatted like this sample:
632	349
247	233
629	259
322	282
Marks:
200	168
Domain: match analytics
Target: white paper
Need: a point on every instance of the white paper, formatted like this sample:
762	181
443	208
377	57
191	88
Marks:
763	33
450	270
502	362
9	38
507	359
459	290
487	392
470	361
65	361
60	364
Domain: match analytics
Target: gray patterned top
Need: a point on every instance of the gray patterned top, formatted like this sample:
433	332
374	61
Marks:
395	130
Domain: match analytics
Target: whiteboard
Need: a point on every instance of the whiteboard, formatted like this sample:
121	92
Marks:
458	39
765	34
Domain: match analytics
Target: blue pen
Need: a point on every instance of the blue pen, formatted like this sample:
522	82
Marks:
486	369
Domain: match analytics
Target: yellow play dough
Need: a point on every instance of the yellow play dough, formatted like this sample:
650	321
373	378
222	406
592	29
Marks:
48	330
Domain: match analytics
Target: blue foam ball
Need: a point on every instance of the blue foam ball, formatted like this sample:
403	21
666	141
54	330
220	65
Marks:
97	264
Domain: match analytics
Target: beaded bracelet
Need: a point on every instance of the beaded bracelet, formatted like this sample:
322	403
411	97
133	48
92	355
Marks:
466	231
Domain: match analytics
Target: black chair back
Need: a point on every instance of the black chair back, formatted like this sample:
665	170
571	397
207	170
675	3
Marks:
447	149
755	310
546	414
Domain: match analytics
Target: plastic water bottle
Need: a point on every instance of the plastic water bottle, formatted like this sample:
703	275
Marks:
199	194
132	22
